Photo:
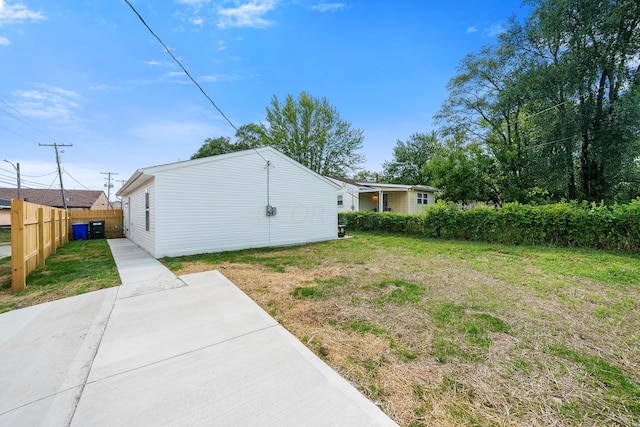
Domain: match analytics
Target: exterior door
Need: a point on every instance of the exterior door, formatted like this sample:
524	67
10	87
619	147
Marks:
127	216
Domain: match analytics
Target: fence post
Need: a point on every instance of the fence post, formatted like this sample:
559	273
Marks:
67	218
41	248
54	231
62	227
18	277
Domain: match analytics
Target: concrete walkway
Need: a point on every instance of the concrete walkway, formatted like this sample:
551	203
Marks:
166	350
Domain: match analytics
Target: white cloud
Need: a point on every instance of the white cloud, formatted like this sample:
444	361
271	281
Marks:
194	15
4	41
173	74
195	3
52	103
494	30
151	63
246	15
222	45
218	78
472	29
64	92
102	87
328	7
18	13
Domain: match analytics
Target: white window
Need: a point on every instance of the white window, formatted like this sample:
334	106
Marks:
146	210
340	202
423	198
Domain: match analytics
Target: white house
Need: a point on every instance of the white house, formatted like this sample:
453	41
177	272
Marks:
248	199
358	196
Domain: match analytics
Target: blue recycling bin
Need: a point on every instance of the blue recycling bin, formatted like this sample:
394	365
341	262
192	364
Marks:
80	231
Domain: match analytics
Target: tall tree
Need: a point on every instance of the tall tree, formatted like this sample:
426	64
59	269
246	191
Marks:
555	102
409	159
214	147
310	130
250	136
247	137
593	69
483	104
366	176
464	173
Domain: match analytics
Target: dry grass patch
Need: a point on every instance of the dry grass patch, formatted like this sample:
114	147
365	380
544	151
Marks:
453	333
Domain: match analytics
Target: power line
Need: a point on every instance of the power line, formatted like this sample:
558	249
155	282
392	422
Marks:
25	182
529	147
33	123
189	75
41	176
39	128
78	182
30	176
51	185
19	134
19	119
180	65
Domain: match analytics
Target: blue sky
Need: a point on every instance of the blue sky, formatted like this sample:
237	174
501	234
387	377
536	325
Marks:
88	73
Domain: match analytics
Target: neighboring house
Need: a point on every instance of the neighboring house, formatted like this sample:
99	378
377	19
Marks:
358	196
247	199
5	213
76	199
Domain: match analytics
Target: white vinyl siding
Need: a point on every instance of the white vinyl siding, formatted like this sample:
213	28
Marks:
218	204
137	232
350	197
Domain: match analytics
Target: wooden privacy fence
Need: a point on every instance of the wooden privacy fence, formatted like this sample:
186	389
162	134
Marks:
113	221
36	232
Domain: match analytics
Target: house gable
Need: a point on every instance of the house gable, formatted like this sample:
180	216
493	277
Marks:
220	203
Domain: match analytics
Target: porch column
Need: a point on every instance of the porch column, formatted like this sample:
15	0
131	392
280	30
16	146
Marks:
380	201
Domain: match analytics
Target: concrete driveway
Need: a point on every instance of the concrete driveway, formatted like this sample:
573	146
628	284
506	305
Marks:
161	349
5	250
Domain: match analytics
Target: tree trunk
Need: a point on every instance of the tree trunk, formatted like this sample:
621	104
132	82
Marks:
585	161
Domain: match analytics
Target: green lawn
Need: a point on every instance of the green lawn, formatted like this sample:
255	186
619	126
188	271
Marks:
459	333
5	237
77	267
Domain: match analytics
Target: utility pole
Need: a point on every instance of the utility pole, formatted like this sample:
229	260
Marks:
17	168
109	185
55	146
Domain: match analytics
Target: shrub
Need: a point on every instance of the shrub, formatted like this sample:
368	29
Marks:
562	224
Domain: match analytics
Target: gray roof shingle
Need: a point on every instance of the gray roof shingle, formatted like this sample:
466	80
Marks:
77	199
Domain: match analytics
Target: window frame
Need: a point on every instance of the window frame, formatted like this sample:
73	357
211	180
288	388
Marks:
146	211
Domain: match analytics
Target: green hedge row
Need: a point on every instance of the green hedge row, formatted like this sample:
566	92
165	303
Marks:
562	224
